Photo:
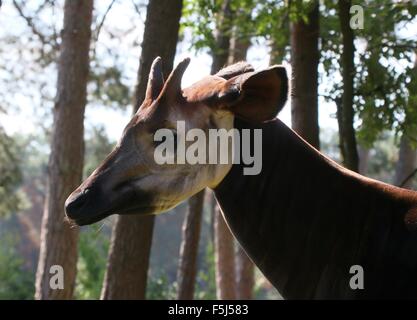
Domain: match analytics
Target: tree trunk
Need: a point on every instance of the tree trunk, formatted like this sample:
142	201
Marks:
406	170
304	62
406	163
245	275
127	265
245	271
345	112
58	239
191	228
239	46
132	235
224	258
220	52
223	239
363	154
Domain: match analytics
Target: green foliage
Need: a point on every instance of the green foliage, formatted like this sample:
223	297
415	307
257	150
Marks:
272	23
159	288
200	17
382	83
299	9
108	87
206	278
92	248
266	19
10	175
16	283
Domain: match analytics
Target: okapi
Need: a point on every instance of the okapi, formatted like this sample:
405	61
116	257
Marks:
304	220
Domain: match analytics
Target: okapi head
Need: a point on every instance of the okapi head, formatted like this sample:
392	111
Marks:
130	181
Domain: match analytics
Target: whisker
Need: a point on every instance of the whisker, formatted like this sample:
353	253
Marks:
100	228
71	223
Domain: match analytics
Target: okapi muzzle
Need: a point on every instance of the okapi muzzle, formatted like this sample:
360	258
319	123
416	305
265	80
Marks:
109	189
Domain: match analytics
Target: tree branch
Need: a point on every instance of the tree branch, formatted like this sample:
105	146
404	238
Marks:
100	25
411	175
51	40
405	46
138	10
30	23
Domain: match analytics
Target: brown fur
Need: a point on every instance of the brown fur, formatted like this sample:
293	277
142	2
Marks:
304	219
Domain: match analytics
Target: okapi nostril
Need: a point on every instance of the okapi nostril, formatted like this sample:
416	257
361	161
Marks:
76	203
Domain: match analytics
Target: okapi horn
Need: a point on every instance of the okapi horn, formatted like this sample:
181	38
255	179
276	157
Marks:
155	80
173	83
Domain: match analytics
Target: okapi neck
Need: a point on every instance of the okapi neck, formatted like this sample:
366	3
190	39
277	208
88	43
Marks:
304	221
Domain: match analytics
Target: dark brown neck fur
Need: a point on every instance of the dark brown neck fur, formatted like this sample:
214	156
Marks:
304	221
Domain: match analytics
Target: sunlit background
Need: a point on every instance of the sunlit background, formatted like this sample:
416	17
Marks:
28	75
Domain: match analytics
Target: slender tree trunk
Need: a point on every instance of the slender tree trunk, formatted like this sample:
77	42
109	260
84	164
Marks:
223	31
128	262
239	46
406	170
191	228
58	239
245	275
363	154
304	62
245	271
345	113
224	258
223	239
406	164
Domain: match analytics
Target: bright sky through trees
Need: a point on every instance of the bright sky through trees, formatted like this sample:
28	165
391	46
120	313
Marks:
122	33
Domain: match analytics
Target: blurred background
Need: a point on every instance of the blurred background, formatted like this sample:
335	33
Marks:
73	72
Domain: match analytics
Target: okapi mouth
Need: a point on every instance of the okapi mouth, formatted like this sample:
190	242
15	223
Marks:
90	220
139	210
91	205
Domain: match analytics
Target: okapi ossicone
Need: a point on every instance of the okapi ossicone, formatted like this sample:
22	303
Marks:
304	220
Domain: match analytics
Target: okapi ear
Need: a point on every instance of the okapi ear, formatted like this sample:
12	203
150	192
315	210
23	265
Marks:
155	80
256	96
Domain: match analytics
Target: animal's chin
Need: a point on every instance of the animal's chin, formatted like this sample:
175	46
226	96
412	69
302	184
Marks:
143	210
89	219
